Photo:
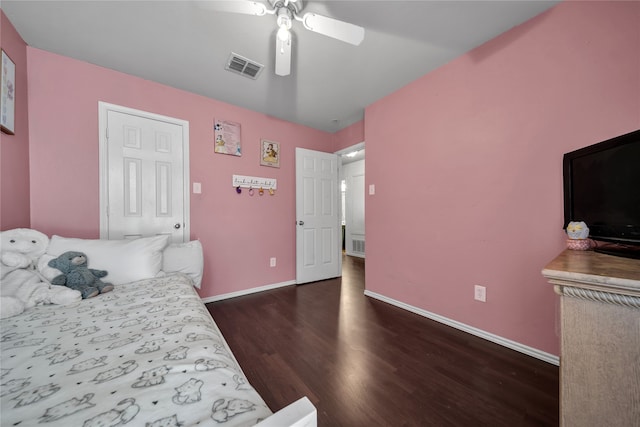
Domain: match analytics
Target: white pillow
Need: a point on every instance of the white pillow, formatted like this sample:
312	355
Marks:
186	258
124	260
43	267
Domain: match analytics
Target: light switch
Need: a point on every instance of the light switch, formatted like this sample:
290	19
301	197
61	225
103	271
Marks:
197	188
372	189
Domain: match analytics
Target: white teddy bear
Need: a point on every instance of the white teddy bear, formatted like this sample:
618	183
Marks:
21	285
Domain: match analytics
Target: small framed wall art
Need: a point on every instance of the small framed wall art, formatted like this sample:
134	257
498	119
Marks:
7	95
227	137
270	153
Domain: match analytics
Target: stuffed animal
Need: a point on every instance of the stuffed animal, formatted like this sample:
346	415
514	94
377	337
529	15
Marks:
76	275
22	286
578	234
577	230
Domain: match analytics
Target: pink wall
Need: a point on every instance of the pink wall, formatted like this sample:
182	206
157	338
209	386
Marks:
351	135
469	175
14	149
239	233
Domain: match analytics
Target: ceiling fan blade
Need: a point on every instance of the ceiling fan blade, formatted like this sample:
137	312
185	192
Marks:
333	28
234	6
283	57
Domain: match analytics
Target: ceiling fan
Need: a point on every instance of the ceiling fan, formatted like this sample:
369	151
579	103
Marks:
286	11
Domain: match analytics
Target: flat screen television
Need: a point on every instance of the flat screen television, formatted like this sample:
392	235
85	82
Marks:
602	188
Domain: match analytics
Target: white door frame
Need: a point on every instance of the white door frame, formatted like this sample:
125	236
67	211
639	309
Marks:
356	147
103	109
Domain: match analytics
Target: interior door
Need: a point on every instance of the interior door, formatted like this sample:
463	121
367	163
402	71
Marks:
145	181
318	231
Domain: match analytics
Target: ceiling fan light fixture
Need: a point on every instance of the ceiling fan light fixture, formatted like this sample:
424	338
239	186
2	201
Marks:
284	34
284	24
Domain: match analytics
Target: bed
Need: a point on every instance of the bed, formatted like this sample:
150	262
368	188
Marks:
147	353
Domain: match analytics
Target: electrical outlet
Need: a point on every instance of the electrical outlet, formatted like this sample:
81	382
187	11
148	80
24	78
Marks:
272	262
480	293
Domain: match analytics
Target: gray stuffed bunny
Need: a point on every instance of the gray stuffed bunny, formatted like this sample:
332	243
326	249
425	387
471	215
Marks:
76	275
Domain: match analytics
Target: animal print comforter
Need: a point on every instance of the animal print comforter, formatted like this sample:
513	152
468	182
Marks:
145	354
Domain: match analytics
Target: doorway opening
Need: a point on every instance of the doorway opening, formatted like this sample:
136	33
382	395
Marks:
352	191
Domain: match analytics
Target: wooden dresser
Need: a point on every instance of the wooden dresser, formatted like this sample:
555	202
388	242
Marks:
600	346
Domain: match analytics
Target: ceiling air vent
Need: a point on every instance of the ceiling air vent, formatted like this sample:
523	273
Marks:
243	66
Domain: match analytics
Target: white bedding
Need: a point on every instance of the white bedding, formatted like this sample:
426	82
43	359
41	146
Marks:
147	353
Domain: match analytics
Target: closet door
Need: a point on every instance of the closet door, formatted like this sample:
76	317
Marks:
146	184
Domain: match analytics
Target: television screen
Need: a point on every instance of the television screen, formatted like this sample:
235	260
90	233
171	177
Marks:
602	188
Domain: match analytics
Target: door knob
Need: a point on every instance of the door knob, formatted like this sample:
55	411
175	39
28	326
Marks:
301	222
177	226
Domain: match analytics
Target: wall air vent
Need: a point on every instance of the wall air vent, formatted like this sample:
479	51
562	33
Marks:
358	246
243	66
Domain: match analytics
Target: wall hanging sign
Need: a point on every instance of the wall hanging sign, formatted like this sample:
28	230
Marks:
7	95
254	184
270	154
227	137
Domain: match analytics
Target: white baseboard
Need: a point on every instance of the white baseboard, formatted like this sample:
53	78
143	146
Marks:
530	351
247	291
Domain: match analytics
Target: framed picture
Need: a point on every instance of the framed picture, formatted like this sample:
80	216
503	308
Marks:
270	154
7	95
227	137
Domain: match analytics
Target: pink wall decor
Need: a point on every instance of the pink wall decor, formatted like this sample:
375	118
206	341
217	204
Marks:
474	196
14	149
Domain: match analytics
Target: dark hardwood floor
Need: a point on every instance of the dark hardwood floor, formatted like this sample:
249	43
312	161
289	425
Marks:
363	362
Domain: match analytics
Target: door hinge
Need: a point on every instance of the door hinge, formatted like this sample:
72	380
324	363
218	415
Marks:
106	133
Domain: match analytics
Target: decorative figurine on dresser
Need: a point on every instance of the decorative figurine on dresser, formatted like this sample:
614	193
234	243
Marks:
578	236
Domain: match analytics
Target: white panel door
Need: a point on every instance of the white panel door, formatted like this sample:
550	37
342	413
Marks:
145	179
318	230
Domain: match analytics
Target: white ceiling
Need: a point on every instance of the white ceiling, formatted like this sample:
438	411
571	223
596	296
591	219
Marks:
179	44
